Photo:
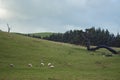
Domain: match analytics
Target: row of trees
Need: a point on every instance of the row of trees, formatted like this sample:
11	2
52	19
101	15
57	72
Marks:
95	36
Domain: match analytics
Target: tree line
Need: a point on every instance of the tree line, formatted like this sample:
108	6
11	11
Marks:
95	36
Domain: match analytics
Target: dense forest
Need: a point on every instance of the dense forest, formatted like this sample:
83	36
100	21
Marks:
95	36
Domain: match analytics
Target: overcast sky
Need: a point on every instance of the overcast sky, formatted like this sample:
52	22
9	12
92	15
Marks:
28	16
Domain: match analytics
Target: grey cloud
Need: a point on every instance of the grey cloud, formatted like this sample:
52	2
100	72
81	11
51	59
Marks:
54	15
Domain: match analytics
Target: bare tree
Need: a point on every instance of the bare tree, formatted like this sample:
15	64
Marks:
8	28
100	46
97	47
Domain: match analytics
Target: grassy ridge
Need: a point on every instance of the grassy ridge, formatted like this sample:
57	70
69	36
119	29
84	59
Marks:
71	62
44	34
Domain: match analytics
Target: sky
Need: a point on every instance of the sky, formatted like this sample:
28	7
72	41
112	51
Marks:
31	16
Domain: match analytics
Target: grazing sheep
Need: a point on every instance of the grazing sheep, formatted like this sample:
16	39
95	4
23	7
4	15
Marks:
52	66
49	64
12	65
42	64
29	65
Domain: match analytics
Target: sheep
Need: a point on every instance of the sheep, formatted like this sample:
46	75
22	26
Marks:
52	66
29	65
49	64
42	64
12	65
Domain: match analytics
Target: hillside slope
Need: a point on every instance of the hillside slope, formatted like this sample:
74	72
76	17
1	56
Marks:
43	34
71	62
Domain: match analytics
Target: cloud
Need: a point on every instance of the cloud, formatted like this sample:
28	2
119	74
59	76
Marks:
54	15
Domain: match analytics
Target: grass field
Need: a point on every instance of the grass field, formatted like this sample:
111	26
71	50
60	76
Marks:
44	34
71	62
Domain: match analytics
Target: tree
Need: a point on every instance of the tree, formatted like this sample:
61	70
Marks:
95	36
100	46
8	28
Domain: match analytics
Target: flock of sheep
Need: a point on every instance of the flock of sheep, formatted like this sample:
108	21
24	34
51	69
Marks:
50	65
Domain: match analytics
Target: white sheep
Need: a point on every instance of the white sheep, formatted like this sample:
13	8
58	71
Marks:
49	64
52	66
42	64
29	65
12	65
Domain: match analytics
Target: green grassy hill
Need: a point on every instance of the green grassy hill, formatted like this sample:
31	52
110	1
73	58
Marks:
44	34
71	62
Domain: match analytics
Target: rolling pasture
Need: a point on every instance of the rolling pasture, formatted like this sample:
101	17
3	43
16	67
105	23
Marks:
70	62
